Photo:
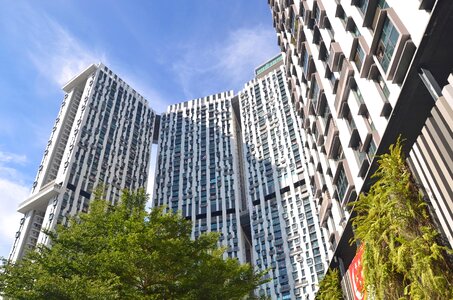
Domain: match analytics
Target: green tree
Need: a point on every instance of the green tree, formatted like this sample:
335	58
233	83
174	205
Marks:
329	287
403	257
125	252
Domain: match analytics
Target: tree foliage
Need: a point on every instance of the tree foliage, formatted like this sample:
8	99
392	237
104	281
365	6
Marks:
403	258
125	252
329	287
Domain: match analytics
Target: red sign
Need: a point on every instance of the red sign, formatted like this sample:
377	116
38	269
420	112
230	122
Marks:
356	275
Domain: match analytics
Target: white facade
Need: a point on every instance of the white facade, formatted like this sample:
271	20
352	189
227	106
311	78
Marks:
235	165
197	170
345	62
285	231
102	134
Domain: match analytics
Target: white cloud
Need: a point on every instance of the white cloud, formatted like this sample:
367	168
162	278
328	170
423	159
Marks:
230	62
7	171
12	194
56	53
13	190
245	50
6	157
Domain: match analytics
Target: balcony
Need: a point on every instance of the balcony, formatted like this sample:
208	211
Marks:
343	85
319	14
332	140
319	184
357	95
311	106
321	103
301	38
325	209
334	57
343	182
306	61
320	140
360	55
354	133
305	12
363	161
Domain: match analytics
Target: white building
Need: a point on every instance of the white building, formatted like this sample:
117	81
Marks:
197	170
235	165
361	73
285	232
102	134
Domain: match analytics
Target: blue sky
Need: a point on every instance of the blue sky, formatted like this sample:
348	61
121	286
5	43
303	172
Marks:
169	51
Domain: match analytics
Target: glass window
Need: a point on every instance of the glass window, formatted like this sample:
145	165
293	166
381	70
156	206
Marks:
387	43
317	15
315	93
342	184
294	23
381	82
362	5
342	15
332	78
371	149
359	56
305	61
354	29
382	4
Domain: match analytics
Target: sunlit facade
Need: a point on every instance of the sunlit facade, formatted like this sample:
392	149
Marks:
102	135
285	232
360	74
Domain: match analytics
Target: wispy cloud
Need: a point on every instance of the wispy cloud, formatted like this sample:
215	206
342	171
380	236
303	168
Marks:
12	194
59	55
245	50
13	191
230	63
8	163
56	53
6	157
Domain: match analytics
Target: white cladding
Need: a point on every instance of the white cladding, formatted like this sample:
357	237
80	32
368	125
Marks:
102	135
345	62
197	170
285	231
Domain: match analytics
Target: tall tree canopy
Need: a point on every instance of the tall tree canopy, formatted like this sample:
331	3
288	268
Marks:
125	252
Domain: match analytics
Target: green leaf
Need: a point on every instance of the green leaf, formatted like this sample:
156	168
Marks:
125	252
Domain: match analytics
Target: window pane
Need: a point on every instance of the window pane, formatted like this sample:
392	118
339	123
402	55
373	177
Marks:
363	4
359	56
387	43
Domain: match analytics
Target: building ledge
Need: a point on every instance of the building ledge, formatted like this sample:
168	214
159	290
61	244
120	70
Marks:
40	199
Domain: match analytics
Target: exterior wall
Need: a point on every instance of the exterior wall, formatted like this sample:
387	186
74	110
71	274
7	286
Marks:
286	237
102	134
197	170
345	78
431	160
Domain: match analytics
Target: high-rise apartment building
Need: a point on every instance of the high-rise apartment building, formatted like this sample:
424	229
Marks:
102	134
198	171
361	73
285	234
274	167
235	165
